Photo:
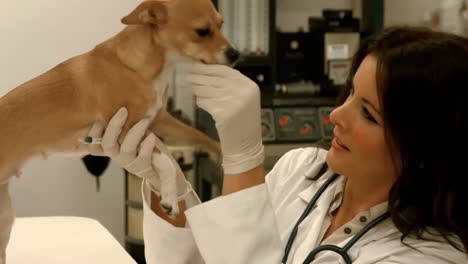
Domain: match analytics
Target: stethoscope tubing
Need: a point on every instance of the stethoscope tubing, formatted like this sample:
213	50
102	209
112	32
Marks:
340	251
304	214
343	252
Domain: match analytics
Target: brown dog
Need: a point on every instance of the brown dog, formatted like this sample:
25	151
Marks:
51	112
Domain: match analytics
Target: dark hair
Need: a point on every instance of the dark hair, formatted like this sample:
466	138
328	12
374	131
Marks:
422	84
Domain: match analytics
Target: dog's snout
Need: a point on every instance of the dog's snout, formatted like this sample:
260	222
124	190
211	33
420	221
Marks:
232	55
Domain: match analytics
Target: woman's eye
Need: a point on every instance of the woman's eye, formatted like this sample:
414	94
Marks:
203	32
368	115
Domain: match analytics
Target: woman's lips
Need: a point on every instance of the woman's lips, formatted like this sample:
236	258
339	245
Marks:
337	144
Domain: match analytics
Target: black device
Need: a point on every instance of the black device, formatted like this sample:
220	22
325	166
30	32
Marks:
338	20
333	25
96	166
299	57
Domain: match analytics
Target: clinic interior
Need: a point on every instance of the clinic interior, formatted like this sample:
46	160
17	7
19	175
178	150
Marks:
298	52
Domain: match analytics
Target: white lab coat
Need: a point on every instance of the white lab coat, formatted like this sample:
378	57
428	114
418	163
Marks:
253	225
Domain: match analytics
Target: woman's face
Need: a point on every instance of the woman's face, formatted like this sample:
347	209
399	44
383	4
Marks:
359	150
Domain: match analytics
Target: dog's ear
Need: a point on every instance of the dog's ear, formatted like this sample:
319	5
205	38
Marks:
148	12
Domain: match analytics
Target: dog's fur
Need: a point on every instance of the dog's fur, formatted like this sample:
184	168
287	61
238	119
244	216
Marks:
52	111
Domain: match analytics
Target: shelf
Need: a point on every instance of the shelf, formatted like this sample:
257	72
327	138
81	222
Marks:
304	100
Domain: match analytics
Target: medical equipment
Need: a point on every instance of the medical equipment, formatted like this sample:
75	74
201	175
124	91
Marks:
340	251
90	140
297	124
96	165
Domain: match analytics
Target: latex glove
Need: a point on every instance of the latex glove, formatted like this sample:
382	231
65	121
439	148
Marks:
174	187
147	158
134	155
233	100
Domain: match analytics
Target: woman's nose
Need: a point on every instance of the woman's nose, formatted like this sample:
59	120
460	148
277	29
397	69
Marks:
337	116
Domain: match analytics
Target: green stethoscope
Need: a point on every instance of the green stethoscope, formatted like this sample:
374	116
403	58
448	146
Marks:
343	252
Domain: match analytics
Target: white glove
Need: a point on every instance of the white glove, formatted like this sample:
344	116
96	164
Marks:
125	155
174	185
233	100
157	168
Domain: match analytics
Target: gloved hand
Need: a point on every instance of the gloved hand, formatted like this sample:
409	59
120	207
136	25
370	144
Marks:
233	100
126	155
174	185
147	158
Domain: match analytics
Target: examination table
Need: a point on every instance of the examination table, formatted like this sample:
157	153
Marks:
60	240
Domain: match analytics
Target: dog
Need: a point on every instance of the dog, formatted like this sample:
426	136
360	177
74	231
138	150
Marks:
51	112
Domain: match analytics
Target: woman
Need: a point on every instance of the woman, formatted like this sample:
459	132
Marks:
392	163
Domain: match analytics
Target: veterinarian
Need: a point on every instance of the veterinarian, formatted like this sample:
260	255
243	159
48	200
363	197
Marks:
391	189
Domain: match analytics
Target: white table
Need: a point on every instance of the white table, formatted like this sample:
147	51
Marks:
59	240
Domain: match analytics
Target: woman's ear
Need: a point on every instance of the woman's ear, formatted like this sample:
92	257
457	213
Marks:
152	12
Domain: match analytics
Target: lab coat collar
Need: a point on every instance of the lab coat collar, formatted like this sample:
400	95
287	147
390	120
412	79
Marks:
338	189
337	186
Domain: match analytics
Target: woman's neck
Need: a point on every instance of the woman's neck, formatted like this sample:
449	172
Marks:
357	197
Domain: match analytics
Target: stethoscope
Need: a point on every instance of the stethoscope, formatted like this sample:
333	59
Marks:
343	252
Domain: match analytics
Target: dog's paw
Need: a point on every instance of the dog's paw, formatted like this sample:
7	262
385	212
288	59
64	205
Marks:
170	206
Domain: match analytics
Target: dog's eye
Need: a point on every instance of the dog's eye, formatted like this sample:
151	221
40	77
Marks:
203	32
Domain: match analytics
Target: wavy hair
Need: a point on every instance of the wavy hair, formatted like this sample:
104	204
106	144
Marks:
422	85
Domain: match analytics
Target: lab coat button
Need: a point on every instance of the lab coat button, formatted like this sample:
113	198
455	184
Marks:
347	230
363	219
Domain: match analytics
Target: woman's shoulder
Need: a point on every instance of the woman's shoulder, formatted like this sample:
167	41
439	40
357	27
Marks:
302	165
301	157
432	249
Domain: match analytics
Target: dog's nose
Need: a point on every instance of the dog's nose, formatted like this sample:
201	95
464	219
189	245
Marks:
232	55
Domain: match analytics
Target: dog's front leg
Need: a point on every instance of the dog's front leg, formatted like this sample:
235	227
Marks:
173	130
7	217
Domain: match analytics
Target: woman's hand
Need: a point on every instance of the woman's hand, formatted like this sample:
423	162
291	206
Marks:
143	154
233	100
136	151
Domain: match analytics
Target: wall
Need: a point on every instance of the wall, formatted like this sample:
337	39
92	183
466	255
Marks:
408	11
35	36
